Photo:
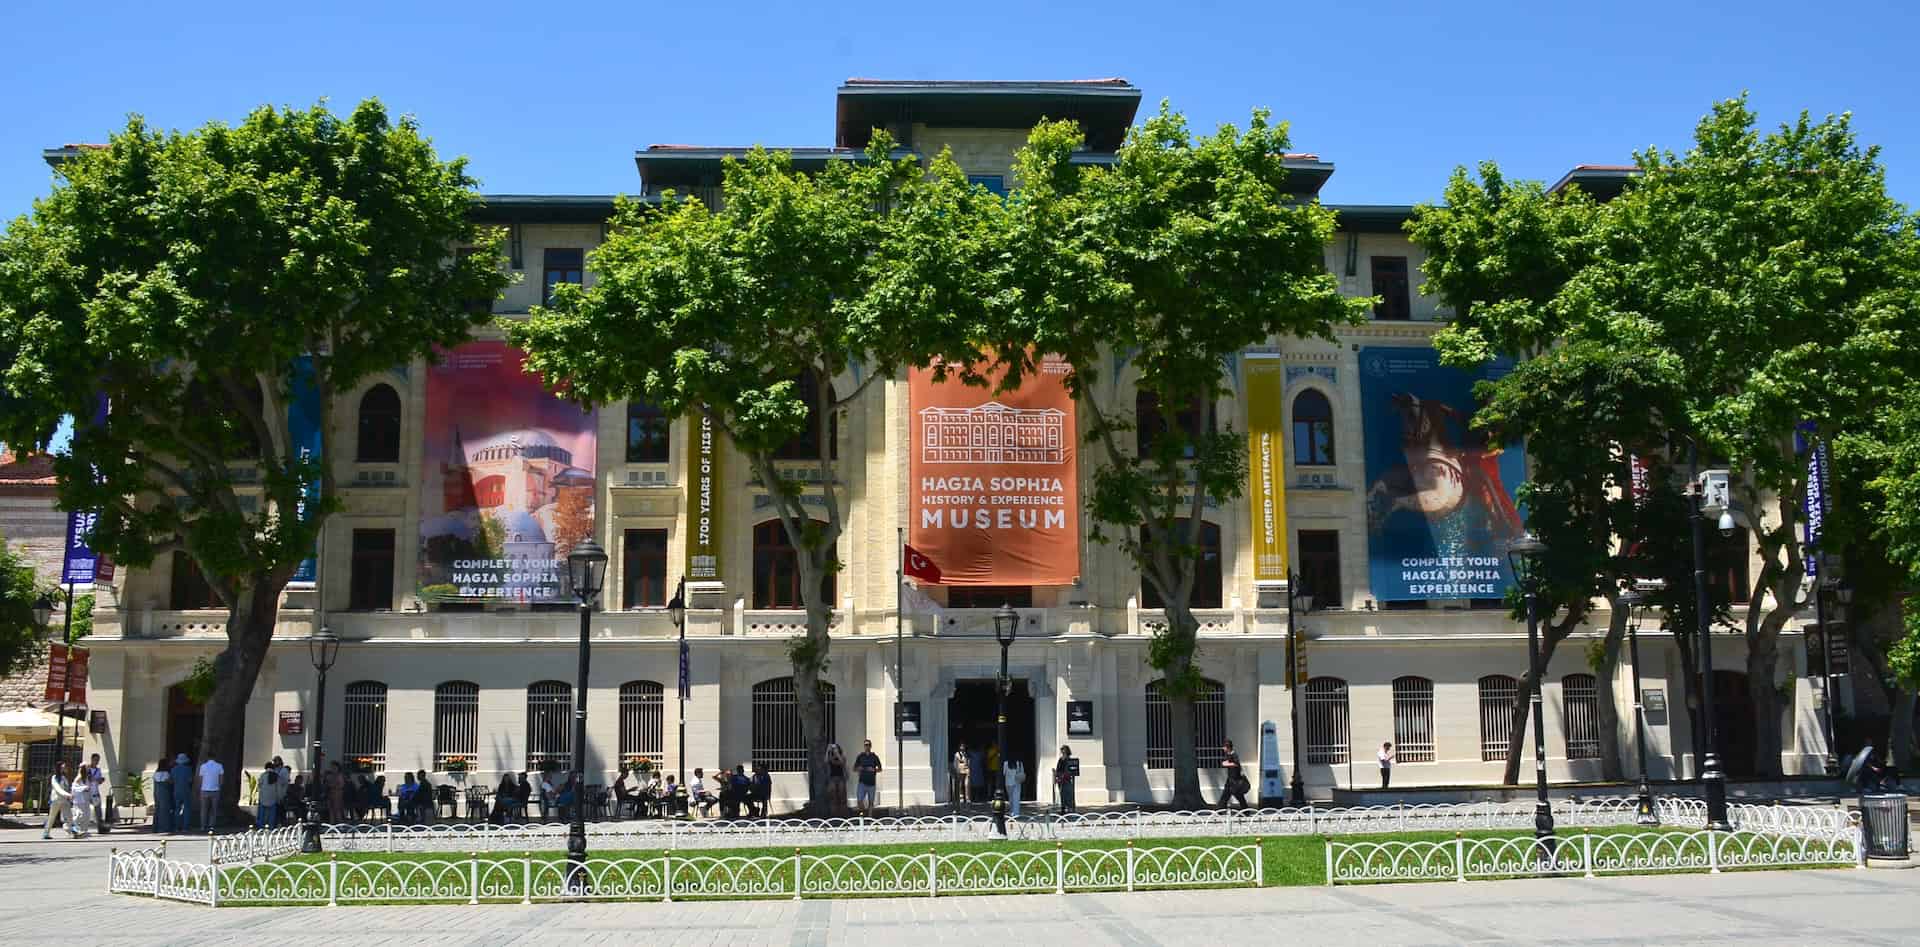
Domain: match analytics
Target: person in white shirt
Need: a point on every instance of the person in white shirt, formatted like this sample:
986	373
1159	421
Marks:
1386	764
84	797
60	802
96	779
1016	776
208	780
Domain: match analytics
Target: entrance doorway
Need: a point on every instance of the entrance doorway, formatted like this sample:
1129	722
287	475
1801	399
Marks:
1733	720
185	720
970	721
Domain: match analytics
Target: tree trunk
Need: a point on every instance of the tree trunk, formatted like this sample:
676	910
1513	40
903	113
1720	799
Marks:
1762	657
250	624
1551	634
813	731
1607	711
1900	731
1180	717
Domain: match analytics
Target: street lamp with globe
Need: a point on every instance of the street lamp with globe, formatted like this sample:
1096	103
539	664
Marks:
586	569
323	648
1006	624
1527	555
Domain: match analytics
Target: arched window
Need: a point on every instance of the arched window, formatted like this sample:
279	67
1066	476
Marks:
1207	584
806	444
777	743
642	720
647	433
366	724
776	569
1413	719
1209	725
549	724
1579	699
1497	693
1312	430
1326	714
1149	426
379	426
456	723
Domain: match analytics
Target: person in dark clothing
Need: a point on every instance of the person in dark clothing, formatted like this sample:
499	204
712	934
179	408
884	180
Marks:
1063	773
523	796
867	766
739	793
504	796
762	790
1236	785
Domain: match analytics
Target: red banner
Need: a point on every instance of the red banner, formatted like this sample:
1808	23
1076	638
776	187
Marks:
994	496
66	674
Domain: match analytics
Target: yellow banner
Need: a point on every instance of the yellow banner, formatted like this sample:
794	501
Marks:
703	498
1266	467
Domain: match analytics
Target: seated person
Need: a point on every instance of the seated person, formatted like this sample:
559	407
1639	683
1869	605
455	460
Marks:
702	796
624	796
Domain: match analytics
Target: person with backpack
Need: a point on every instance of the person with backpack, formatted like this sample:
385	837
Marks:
267	792
762	790
1237	784
1063	773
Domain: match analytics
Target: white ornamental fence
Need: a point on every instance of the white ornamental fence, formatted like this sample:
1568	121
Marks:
256	845
474	879
1587	855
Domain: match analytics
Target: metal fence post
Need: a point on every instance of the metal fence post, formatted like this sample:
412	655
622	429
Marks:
796	874
933	874
666	874
1059	868
333	880
1129	864
1329	864
1459	857
1313	819
113	864
526	877
1586	852
389	838
1860	843
473	877
1713	852
1259	863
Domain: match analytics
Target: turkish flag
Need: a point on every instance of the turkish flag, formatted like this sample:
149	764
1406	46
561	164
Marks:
920	567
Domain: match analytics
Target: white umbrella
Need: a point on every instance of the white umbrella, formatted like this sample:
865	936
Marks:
28	725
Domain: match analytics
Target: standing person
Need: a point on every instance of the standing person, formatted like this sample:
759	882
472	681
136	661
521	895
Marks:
80	809
182	778
957	780
293	808
1236	785
1386	764
523	795
763	790
1016	779
162	797
336	794
549	796
60	802
211	772
287	803
867	766
1063	778
266	810
95	777
836	780
977	776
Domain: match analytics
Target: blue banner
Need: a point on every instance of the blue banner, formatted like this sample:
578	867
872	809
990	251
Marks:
683	665
1441	506
1813	505
303	429
81	563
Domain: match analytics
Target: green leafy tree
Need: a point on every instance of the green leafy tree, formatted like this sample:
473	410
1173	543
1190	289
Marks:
722	312
180	276
1161	269
21	636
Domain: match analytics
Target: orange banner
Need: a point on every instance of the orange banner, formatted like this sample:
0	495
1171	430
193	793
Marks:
993	497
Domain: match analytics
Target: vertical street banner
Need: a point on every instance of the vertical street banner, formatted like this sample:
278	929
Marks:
507	487
1266	467
66	674
303	429
993	491
81	565
1814	504
1440	500
704	488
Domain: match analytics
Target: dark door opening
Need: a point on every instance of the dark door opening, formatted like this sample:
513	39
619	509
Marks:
1733	724
970	721
185	720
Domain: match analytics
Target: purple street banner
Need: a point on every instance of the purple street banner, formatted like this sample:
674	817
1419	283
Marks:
1440	499
1813	504
303	429
507	489
82	565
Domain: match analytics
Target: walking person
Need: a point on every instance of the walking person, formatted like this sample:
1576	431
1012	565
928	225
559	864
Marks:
957	777
867	766
60	802
1063	775
1016	777
210	775
182	778
1386	764
266	810
1236	784
836	781
162	797
80	809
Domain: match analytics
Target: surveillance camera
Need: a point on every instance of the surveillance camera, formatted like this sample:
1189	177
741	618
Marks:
1726	523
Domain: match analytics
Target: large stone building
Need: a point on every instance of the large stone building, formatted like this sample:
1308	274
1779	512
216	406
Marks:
1423	656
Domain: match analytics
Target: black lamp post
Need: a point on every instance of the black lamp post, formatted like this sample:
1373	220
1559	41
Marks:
1713	782
1525	556
1295	602
1633	600
677	610
586	568
323	648
1824	579
1006	624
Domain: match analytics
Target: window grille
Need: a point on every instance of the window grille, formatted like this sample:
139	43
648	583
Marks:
366	725
777	743
1497	693
549	724
1209	725
1413	720
642	720
456	722
1578	698
1327	734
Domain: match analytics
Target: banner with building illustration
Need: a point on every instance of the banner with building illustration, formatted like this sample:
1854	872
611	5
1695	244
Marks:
1440	499
507	486
993	494
1266	467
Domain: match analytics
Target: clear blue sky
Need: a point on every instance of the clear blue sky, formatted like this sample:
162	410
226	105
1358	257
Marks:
555	97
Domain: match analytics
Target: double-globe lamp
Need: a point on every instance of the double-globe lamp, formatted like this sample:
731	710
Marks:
586	570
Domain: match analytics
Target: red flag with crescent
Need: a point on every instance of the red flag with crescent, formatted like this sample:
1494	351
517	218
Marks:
920	567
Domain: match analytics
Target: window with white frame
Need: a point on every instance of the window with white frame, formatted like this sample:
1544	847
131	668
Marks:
1209	725
642	720
1413	719
456	723
366	724
1579	698
777	743
1497	693
1326	713
549	724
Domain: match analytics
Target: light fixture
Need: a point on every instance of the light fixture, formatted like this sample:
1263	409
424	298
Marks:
1524	556
1726	522
43	610
323	647
586	569
1006	624
677	606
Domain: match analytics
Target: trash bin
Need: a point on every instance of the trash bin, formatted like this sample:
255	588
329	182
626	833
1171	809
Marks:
1884	816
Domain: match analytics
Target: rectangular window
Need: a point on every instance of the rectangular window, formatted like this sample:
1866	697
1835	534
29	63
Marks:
371	583
1327	733
1497	693
642	720
776	725
992	182
1390	284
1320	567
1580	701
456	722
1209	726
562	265
989	596
549	724
1413	720
190	589
366	724
648	433
645	569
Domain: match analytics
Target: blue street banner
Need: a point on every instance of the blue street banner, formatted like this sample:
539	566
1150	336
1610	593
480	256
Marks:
683	666
1813	505
1441	501
82	565
303	428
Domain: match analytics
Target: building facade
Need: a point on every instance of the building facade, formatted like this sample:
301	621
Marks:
1399	645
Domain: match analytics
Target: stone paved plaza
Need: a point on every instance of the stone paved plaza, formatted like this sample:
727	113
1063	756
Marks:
56	891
